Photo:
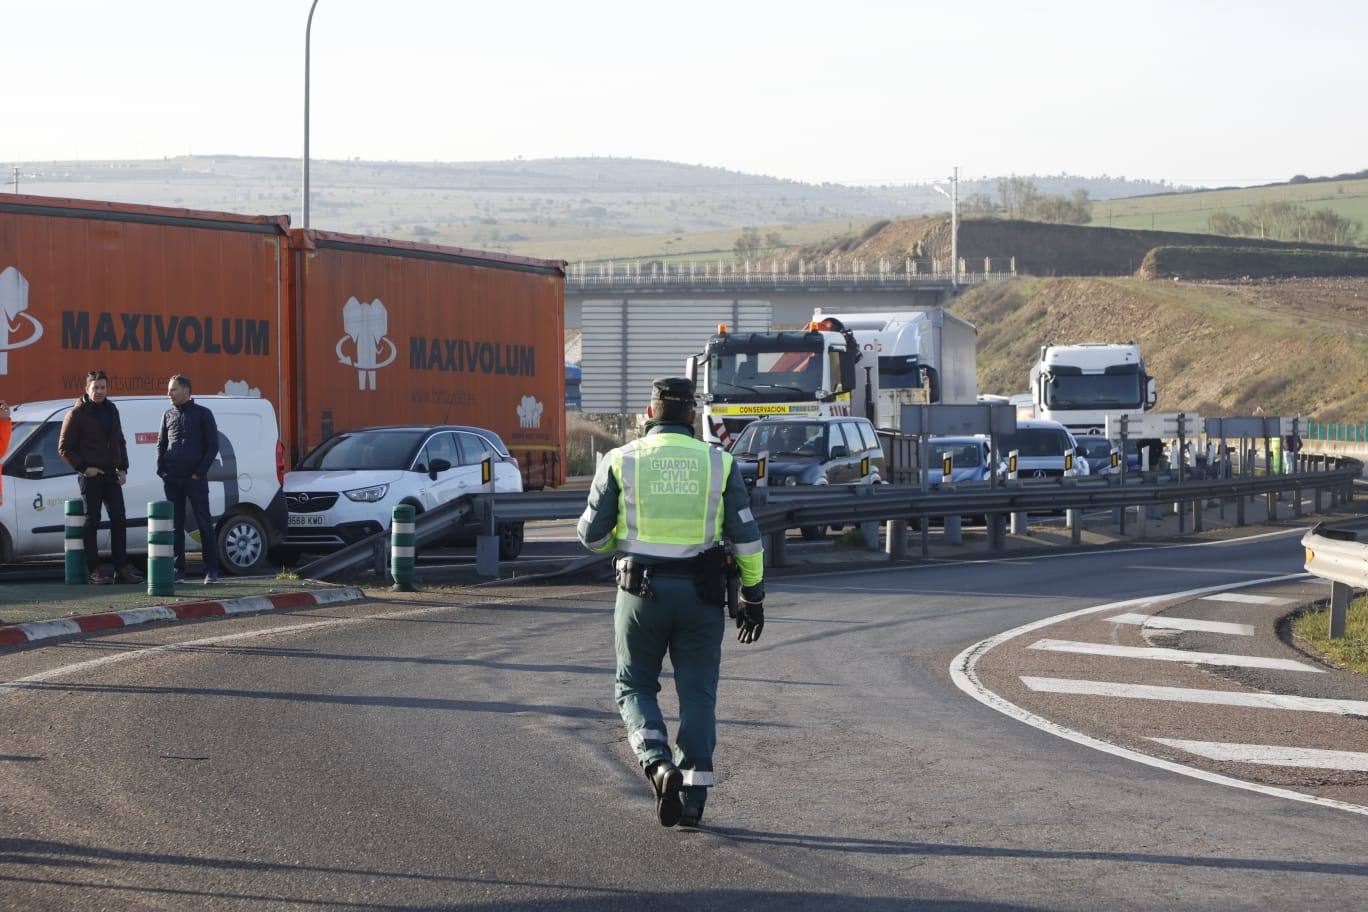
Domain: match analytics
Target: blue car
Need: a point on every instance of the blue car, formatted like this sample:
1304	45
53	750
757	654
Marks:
969	459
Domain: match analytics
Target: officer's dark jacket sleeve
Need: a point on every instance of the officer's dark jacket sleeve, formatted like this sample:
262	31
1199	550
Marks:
596	524
741	530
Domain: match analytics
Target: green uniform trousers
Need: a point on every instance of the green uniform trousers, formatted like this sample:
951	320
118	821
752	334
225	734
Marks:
673	620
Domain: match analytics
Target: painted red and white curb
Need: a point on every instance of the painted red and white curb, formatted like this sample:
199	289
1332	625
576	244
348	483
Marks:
19	634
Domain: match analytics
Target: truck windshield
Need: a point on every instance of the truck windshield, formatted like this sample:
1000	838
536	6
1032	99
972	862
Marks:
364	450
751	374
1094	391
19	433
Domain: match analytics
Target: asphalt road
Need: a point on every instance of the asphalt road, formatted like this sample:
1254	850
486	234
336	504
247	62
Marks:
464	752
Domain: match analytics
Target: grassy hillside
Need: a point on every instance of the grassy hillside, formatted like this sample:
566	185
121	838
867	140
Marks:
1040	249
571	208
1190	211
1297	346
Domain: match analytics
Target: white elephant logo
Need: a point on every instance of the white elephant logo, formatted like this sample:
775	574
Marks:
530	412
366	325
14	289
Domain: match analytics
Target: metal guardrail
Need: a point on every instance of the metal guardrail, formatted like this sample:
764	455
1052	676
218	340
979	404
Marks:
1340	556
779	509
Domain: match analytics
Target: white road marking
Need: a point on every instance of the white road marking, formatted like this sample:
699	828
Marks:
1272	754
1163	622
1193	695
964	672
1173	655
1246	599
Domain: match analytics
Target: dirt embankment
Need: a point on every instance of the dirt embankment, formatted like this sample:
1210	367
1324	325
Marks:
1040	249
1288	347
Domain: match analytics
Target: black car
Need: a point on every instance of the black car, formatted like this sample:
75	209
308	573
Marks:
811	451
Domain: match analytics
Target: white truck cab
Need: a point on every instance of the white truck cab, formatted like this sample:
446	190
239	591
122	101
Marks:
244	482
1080	385
809	373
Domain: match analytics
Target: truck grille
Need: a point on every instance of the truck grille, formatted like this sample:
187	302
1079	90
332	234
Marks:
307	502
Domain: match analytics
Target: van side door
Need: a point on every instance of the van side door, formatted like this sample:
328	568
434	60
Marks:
40	503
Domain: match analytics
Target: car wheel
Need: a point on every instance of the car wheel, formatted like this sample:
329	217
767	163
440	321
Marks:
510	541
242	543
813	533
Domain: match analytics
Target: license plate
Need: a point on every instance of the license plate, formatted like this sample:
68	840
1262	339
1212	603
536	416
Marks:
303	519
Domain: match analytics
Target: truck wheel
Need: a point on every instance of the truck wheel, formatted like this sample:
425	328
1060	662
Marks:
510	541
242	544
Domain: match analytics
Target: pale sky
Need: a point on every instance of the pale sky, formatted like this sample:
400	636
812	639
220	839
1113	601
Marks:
854	91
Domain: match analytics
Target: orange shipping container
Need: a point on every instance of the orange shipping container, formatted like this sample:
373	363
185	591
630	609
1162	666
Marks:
397	333
142	292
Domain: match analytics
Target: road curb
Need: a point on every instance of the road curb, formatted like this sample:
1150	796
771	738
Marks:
21	634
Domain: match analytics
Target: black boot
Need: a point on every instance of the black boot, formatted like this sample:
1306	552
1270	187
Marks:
666	780
691	800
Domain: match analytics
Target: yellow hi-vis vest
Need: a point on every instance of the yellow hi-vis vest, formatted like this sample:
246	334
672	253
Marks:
670	496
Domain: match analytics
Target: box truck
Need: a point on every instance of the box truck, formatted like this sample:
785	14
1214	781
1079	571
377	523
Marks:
335	331
922	356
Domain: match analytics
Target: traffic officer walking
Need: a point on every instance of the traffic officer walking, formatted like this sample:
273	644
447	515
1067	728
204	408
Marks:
671	504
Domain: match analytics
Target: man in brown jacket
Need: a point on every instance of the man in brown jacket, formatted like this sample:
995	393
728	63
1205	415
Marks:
92	441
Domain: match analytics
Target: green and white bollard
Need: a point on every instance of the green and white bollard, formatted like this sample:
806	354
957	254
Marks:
76	572
402	552
161	548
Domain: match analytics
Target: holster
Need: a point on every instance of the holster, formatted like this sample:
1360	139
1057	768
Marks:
710	576
733	587
633	577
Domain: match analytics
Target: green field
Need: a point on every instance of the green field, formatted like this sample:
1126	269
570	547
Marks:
1190	211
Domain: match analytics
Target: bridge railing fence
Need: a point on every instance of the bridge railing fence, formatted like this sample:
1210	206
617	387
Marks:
789	272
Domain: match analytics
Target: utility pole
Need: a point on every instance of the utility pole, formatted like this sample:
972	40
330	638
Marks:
953	196
308	29
16	179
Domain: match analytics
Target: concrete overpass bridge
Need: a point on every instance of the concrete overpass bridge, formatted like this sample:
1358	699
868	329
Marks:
792	289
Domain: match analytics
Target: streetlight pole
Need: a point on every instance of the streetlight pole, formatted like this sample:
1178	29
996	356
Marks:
308	29
953	196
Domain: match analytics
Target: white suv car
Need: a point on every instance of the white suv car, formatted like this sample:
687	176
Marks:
347	488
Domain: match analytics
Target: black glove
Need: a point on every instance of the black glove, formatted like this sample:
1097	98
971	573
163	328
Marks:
750	614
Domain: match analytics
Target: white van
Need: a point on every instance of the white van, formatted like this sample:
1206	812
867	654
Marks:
245	492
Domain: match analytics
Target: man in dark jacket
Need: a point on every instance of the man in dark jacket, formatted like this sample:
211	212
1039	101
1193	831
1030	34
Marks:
92	442
186	447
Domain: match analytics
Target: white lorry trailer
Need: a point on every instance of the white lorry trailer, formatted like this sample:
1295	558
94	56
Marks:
1080	385
922	356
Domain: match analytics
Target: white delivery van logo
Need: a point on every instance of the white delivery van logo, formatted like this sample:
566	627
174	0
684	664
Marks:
530	412
14	290
366	326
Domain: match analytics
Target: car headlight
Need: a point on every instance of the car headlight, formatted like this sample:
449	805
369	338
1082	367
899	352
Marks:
791	481
368	495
